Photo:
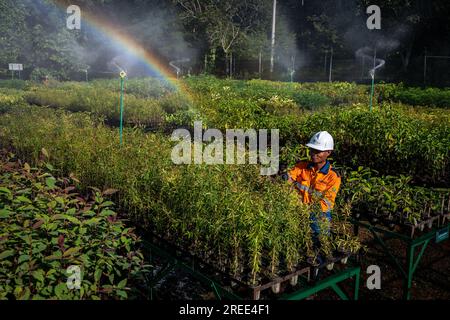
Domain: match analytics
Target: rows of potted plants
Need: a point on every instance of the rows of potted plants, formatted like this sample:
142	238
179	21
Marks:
246	225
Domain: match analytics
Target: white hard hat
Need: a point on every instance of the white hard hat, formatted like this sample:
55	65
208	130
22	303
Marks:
322	141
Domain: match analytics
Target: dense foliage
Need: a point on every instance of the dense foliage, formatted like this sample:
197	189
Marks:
229	215
431	97
246	225
47	226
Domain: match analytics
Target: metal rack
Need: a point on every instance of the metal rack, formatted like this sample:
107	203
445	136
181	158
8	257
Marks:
436	231
299	282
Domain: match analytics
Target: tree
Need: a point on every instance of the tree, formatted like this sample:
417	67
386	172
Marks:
34	33
225	23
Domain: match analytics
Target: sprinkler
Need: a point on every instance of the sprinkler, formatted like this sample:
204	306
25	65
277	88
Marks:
178	69
122	74
372	75
292	69
292	75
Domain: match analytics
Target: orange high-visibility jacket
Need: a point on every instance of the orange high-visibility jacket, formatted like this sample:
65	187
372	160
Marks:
326	181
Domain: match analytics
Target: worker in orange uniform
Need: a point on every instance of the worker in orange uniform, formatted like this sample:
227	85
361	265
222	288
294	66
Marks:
317	179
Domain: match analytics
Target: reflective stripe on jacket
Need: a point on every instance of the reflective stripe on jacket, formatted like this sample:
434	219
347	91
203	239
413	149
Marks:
308	180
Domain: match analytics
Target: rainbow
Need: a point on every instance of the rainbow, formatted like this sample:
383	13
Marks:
132	47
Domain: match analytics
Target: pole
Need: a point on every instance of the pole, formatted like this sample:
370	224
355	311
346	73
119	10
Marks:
293	68
371	91
272	54
373	78
231	65
325	65
122	79
425	67
260	64
331	65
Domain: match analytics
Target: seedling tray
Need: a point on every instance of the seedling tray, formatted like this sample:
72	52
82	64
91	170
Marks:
225	286
404	227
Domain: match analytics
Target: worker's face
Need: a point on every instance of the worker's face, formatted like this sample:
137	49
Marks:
318	156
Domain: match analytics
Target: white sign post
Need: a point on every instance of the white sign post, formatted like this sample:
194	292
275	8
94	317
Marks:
15	67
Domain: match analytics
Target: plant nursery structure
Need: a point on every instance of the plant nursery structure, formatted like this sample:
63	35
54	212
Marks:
296	285
416	238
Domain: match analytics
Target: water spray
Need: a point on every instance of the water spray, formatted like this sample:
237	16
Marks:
372	75
178	69
381	62
292	69
122	74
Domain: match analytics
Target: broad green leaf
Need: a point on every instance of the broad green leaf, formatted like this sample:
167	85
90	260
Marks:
92	221
71	251
50	182
106	204
60	290
38	275
71	211
98	274
122	294
23	258
39	248
4	213
122	284
107	212
6	254
25	295
23	199
72	219
56	255
5	190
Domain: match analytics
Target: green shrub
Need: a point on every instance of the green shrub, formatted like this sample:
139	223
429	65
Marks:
10	98
430	97
101	102
390	197
14	84
310	100
389	140
47	227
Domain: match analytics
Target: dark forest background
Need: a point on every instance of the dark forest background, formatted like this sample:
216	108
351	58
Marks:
233	38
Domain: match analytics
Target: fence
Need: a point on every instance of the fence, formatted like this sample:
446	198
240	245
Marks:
427	69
